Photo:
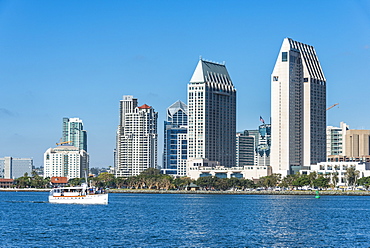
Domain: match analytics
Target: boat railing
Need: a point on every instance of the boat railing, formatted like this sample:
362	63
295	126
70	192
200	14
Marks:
77	191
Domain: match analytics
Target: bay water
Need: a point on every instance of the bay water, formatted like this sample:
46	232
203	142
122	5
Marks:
186	220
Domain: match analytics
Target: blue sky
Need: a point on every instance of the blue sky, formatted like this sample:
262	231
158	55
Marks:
78	58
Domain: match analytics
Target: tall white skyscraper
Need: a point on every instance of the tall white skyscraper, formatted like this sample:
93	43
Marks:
298	109
136	148
212	114
74	133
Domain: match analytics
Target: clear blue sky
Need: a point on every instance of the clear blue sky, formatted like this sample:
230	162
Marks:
78	58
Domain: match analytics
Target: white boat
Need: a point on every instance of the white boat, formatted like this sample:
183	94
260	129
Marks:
78	195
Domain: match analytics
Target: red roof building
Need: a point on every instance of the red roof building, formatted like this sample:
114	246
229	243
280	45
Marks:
59	181
6	183
144	107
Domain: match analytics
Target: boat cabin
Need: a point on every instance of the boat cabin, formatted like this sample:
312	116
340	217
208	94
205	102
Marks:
69	191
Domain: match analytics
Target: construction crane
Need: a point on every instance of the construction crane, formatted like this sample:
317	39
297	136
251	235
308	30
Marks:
64	142
332	106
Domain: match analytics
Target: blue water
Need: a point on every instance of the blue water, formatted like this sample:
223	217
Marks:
156	220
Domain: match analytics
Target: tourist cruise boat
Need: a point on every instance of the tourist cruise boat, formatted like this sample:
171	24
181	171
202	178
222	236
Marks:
78	195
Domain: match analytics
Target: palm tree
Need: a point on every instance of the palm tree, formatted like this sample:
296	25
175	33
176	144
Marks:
334	178
352	175
312	176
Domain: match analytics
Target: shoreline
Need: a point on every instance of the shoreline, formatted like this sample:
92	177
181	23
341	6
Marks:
23	190
262	192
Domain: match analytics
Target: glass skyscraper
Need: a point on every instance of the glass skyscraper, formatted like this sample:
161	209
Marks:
74	133
175	139
245	149
253	146
212	114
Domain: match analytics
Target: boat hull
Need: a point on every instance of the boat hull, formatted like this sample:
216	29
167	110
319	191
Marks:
84	199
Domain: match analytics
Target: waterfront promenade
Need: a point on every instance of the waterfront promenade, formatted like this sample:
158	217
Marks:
227	192
261	192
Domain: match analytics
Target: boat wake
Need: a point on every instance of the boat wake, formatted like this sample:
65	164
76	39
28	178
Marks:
26	201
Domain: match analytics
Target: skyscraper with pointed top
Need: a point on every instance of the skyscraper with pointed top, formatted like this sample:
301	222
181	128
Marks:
175	139
298	109
212	114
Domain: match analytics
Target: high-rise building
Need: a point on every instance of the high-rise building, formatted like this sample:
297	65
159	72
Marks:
212	114
245	149
175	140
136	148
298	108
254	146
12	168
74	133
66	161
335	139
263	148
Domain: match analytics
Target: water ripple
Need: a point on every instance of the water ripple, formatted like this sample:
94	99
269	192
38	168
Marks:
140	220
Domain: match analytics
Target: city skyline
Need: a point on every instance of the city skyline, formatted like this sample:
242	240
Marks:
104	51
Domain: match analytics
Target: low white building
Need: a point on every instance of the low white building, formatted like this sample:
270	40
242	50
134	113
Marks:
340	169
202	167
66	161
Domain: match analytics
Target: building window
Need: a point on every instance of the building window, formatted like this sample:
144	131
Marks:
275	78
284	56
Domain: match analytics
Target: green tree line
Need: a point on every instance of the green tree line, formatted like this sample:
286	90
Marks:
153	179
33	181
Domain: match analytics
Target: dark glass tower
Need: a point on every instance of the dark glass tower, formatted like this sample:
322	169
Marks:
175	142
